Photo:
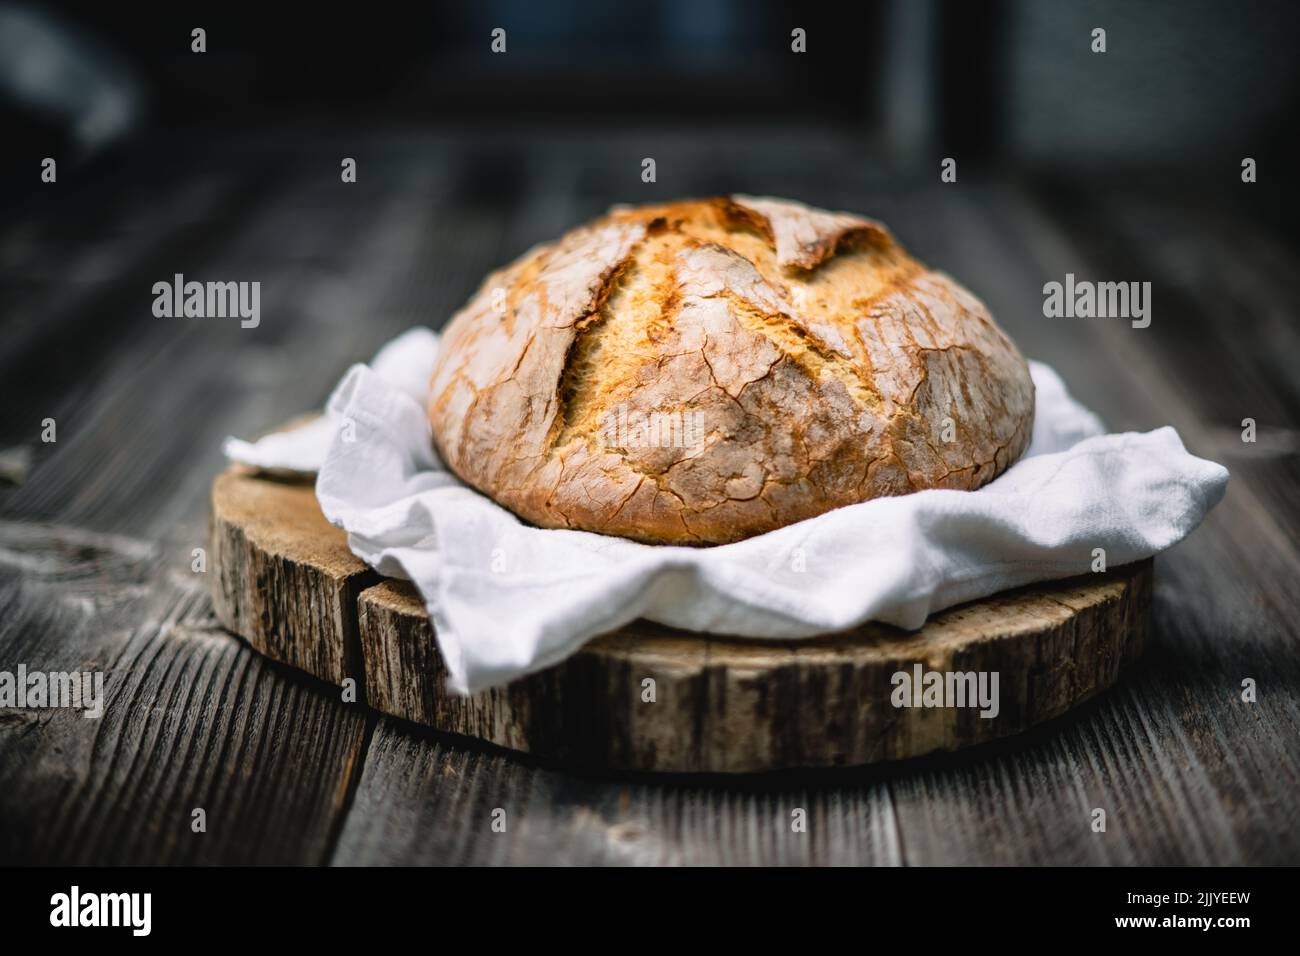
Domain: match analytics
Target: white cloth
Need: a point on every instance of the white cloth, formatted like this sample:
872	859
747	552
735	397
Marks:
507	599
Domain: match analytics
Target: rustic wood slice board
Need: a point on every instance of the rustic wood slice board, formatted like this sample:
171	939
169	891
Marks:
285	580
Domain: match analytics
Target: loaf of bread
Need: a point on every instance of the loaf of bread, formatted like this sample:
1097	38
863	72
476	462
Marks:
702	371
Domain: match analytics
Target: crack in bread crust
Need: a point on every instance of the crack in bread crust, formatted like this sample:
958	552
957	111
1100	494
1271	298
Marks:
819	360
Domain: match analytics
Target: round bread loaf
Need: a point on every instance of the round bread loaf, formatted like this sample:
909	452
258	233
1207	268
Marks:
703	371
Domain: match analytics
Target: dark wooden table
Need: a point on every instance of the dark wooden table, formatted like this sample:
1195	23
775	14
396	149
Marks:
95	545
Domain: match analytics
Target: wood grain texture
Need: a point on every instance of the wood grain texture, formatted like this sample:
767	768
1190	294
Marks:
283	577
1187	770
285	580
96	545
192	720
440	798
737	706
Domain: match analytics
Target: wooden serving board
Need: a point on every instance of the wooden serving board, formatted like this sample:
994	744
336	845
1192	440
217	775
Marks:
285	580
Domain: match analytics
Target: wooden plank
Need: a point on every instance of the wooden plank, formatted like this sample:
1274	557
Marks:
199	720
193	719
117	463
423	800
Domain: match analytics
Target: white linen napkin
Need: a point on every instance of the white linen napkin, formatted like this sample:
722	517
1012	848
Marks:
507	599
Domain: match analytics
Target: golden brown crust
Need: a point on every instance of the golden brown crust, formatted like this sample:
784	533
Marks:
702	371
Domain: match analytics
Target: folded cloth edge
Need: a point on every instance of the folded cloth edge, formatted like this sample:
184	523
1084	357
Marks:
545	647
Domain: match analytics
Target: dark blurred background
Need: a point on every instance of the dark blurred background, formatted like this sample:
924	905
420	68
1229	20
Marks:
1184	88
226	164
1014	79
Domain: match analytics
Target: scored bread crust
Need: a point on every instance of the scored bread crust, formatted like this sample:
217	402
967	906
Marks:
702	371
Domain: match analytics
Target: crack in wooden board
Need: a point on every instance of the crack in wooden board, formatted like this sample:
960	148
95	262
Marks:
284	577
